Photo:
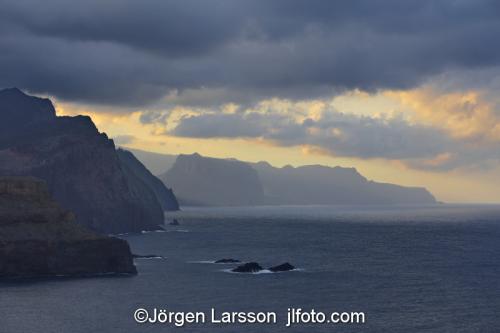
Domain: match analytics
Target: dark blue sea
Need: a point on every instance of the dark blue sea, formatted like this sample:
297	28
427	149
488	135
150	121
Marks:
408	269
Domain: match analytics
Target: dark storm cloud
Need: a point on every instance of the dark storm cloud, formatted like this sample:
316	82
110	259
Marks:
136	52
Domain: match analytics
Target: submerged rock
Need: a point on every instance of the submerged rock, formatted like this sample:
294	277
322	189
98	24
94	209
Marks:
40	239
227	261
250	267
282	268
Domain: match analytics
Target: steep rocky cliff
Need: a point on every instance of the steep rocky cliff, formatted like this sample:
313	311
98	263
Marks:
144	180
39	238
155	162
79	164
199	180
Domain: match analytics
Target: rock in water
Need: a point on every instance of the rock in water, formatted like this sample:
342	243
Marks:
40	239
227	261
282	268
250	267
80	165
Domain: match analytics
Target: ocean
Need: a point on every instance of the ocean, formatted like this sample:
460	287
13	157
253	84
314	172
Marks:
406	268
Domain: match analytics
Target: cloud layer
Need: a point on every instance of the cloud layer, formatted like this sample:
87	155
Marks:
157	55
423	144
137	52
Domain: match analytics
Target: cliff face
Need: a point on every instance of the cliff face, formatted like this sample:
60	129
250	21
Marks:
156	163
199	180
38	238
143	180
79	164
315	184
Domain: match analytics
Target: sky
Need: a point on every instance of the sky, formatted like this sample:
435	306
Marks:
405	91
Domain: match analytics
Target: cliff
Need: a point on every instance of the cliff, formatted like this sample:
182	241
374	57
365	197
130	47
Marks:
80	165
38	238
199	180
143	180
321	185
156	163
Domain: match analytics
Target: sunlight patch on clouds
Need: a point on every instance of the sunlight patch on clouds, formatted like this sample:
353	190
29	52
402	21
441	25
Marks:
374	105
464	115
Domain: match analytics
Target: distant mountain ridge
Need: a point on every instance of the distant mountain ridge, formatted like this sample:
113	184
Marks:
81	167
321	185
199	180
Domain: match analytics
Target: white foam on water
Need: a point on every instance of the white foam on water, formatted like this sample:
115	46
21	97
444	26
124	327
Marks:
161	230
213	262
150	258
264	271
202	262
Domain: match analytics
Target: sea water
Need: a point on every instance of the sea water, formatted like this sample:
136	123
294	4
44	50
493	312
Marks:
406	268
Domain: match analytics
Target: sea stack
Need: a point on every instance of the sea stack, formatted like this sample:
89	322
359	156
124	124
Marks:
249	267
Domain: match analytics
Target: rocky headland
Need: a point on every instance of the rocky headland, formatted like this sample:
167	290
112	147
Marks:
38	238
144	180
81	166
205	181
199	180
